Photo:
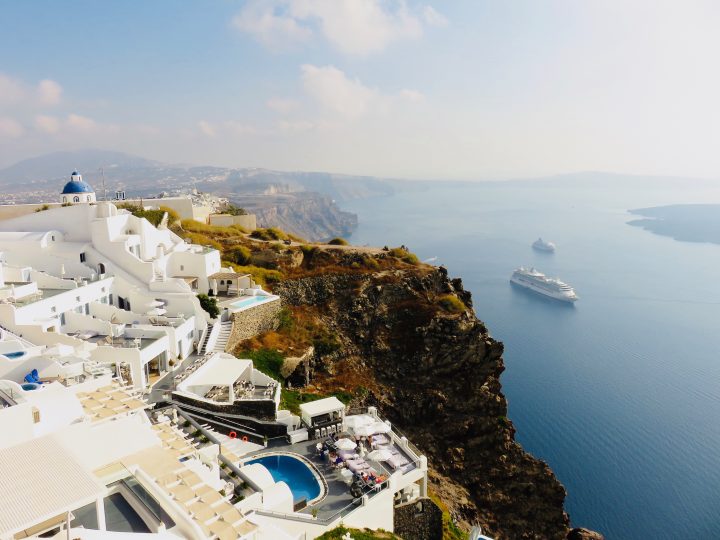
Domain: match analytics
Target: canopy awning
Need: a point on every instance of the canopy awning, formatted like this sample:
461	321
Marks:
39	480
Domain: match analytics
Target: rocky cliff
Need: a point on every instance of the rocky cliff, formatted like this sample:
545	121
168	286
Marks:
306	214
434	369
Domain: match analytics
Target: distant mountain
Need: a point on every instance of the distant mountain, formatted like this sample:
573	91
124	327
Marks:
144	177
58	165
301	202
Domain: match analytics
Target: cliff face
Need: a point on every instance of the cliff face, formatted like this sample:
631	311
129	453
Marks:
310	215
434	371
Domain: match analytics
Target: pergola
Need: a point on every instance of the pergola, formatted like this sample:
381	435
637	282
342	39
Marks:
226	276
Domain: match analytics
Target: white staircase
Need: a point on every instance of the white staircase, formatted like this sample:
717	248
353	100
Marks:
225	329
203	343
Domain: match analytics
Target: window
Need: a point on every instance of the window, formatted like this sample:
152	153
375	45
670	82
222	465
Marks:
82	257
52	237
62	319
88	198
77	298
76	199
182	268
53	309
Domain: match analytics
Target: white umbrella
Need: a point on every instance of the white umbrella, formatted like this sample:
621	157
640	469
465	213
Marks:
381	454
363	431
379	427
345	444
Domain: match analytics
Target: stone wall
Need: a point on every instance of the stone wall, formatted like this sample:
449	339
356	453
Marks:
419	520
253	321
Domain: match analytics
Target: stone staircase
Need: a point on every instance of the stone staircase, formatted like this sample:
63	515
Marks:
223	337
203	344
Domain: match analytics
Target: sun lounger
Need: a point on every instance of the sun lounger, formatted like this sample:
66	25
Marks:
380	439
397	461
357	465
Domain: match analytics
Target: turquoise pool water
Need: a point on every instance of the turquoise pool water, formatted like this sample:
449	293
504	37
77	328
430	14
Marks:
296	474
250	301
15	354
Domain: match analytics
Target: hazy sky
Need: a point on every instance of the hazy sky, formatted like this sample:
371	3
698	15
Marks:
433	89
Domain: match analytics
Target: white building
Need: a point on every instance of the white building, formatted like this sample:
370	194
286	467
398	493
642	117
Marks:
109	285
77	191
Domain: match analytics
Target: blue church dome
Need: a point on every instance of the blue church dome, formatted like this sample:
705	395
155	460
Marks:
76	185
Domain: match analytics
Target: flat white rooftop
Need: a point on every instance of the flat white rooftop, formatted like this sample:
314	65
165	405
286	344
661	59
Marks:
39	480
322	406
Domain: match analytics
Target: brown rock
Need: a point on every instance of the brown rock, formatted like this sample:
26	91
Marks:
584	534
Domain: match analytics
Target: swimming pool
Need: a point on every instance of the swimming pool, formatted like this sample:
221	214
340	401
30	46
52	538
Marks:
15	354
251	301
299	477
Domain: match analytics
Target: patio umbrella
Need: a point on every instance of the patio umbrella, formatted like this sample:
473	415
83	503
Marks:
381	454
345	444
347	475
379	427
363	431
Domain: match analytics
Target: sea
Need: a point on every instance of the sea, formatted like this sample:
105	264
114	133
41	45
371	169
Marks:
619	393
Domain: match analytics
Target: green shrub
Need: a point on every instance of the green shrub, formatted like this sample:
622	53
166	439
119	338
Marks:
190	225
326	343
209	304
238	255
285	320
202	240
269	361
370	262
338	242
234	210
404	255
271	233
46	207
451	303
260	275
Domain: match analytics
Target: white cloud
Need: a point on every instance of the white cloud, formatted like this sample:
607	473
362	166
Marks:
238	128
206	128
10	128
47	124
333	90
358	27
11	90
282	105
83	124
433	18
412	95
298	126
49	92
16	92
269	24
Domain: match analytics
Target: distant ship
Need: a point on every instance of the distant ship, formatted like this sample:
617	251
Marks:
540	283
542	245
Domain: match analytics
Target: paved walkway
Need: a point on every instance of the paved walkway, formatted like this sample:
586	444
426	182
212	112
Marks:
166	384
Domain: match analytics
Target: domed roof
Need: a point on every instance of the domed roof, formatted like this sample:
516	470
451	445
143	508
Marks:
77	186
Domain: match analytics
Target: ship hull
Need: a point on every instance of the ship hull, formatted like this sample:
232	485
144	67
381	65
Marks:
570	299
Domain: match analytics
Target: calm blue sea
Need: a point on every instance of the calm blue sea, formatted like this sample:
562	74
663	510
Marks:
619	393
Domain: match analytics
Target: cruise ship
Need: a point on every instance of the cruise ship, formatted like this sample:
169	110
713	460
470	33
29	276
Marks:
540	283
542	245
